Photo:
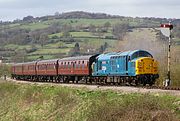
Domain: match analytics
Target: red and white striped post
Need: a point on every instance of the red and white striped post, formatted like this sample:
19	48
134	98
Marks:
166	30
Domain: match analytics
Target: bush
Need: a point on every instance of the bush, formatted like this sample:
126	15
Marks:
5	70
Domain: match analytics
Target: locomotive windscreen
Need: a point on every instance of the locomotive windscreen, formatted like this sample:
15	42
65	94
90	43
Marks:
141	54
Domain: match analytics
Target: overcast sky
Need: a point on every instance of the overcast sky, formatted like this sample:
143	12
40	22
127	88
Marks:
13	9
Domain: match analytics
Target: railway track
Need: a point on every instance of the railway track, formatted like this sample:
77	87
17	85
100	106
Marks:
163	87
108	84
155	90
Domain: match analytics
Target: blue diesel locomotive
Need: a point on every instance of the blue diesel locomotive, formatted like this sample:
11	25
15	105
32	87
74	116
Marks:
128	67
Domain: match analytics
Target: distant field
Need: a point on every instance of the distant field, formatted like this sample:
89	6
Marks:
82	34
50	51
13	46
36	57
84	22
34	26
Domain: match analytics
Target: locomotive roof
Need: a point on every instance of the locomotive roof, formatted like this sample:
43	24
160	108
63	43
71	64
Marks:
132	52
109	55
125	53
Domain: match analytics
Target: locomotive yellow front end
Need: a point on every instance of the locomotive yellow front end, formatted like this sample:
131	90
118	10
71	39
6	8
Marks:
147	70
146	65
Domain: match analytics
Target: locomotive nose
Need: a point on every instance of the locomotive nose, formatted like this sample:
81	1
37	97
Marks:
146	65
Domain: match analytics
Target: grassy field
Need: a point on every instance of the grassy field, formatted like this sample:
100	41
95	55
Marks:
44	102
49	50
81	34
84	22
34	26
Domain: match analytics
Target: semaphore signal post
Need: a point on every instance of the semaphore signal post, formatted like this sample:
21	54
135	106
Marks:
166	30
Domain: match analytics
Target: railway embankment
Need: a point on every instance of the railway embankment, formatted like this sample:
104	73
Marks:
46	101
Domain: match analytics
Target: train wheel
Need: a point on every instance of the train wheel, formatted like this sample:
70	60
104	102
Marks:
150	84
136	82
144	83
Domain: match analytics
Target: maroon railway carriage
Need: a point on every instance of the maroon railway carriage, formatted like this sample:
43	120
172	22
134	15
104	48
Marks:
75	68
29	70
47	70
17	70
26	71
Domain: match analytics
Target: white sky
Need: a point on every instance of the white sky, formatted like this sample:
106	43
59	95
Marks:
13	9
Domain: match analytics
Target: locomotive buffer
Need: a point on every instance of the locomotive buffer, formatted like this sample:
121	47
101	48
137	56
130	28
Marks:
166	31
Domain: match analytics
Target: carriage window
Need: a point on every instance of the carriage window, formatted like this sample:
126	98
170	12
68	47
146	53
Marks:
83	66
42	67
74	64
64	64
69	65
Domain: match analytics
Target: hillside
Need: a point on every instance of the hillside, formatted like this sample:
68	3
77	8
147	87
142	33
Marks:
83	33
45	102
54	36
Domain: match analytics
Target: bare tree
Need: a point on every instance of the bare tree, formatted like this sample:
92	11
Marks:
107	25
119	30
43	39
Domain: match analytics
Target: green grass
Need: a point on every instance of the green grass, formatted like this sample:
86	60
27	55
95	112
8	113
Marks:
88	34
50	51
60	44
18	47
45	102
100	22
36	57
84	22
57	34
34	26
96	43
81	34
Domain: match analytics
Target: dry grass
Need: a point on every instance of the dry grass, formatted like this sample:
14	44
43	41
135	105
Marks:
42	102
131	108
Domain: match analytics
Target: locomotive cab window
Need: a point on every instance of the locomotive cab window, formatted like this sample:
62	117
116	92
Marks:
141	54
